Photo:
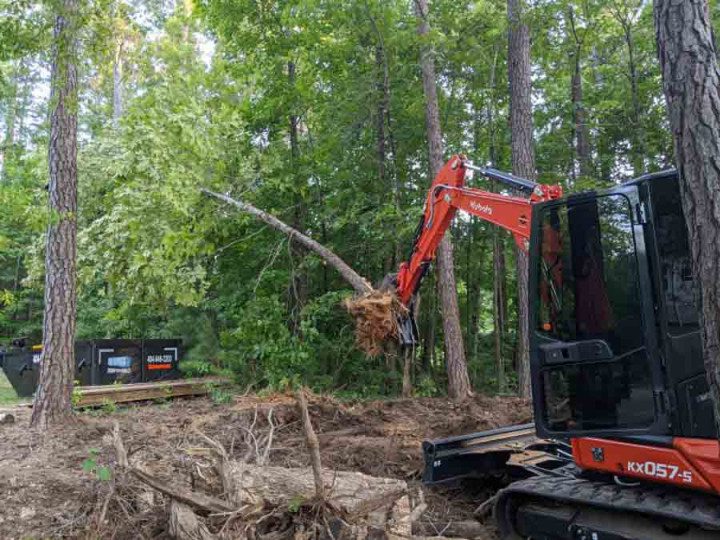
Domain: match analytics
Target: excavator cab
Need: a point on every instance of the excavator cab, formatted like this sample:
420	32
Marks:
615	343
623	444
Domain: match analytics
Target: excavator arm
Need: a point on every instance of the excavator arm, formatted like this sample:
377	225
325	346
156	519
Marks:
446	196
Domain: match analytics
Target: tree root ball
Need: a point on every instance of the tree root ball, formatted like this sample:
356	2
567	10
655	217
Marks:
376	319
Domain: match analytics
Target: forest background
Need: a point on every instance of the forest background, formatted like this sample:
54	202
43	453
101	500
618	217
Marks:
313	110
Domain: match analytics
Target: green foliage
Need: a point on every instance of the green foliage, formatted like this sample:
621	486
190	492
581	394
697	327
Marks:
208	100
220	396
91	466
108	406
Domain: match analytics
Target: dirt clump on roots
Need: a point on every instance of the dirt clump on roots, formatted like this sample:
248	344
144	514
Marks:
52	487
376	317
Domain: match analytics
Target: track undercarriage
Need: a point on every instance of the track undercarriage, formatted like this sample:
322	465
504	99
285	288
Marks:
548	498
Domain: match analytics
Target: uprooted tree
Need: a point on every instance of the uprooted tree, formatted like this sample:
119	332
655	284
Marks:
375	311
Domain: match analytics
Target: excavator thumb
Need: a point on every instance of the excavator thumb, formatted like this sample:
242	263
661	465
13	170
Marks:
407	330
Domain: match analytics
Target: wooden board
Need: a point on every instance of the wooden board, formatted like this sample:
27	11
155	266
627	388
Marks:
122	393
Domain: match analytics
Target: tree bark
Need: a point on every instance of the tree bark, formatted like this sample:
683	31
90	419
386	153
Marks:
298	280
10	118
626	13
428	351
638	136
456	365
52	398
408	357
382	84
499	304
691	82
359	283
580	127
523	162
117	82
187	12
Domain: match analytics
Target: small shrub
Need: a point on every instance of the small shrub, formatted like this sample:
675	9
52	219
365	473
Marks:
91	466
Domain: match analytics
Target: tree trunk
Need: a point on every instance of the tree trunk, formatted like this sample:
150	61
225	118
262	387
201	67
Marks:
523	162
499	304
117	82
10	118
298	279
428	352
580	128
359	283
691	82
384	131
638	136
458	379
380	120
52	398
582	136
187	13
408	358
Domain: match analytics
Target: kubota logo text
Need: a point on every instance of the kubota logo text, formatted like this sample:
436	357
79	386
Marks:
660	470
482	208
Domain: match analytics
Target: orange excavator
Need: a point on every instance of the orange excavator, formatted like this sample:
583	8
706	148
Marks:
623	444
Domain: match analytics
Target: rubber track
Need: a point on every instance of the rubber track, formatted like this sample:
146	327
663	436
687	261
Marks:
654	501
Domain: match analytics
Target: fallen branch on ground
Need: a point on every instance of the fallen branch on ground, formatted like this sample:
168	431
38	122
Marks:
269	502
184	524
198	501
312	444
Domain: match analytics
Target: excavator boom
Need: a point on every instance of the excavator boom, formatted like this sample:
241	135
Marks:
448	194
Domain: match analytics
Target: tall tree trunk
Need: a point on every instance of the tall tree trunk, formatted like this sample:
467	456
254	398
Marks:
606	157
523	161
582	135
52	398
384	131
499	309
428	351
118	82
580	127
691	82
298	280
188	6
381	105
456	365
11	115
638	136
498	246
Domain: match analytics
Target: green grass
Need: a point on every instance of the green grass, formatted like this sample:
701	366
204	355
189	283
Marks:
7	394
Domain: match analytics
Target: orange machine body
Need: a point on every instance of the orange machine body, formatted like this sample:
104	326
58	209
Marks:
688	463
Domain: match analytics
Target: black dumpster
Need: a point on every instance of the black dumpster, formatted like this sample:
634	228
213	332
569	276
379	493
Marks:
99	361
118	360
84	368
22	368
160	358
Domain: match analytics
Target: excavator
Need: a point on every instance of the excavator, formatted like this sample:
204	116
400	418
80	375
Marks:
623	444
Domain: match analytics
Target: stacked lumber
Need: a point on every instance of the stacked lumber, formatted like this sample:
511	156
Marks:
122	393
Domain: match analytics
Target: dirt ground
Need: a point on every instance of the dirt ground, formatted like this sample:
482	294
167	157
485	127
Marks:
51	485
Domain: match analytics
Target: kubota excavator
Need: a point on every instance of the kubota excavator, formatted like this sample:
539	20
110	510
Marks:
624	444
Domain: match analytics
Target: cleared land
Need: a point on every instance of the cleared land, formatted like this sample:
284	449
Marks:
51	490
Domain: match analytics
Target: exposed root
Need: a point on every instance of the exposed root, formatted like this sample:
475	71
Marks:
376	319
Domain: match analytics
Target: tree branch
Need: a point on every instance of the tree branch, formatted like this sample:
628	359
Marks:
359	283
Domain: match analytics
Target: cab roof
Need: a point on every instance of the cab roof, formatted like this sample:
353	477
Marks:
667	173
